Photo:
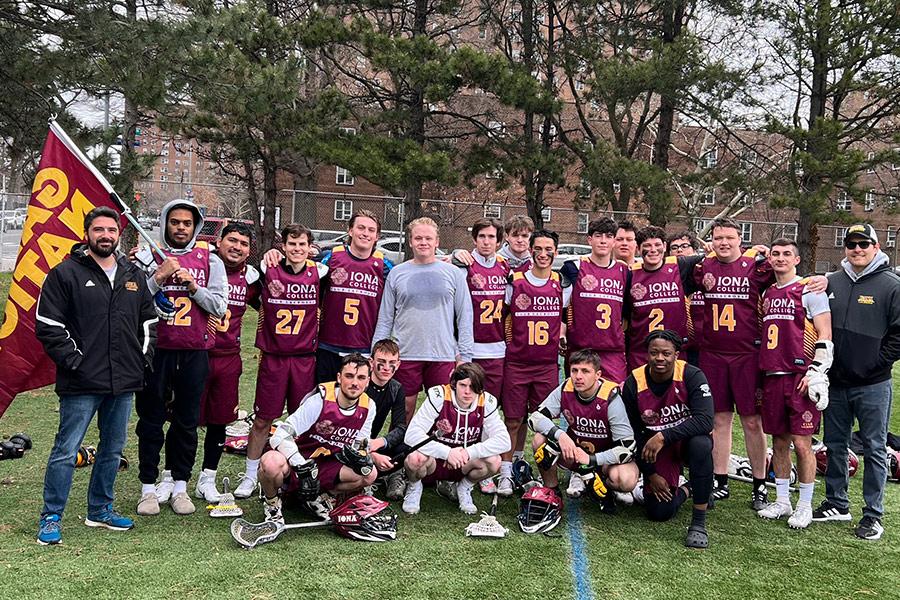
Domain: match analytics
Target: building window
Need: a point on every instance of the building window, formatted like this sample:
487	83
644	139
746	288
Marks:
343	210
545	214
708	197
871	157
700	224
492	211
710	159
342	176
870	201
482	33
893	199
579	85
496	128
583	220
843	202
746	232
348	130
839	235
895	162
891	239
788	230
748	158
495	173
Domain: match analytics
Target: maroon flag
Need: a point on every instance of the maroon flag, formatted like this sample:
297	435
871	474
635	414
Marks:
65	188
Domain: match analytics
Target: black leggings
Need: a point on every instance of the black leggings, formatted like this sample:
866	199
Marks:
213	444
697	452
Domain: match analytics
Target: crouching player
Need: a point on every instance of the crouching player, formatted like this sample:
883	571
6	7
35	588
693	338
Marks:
316	449
671	410
469	438
599	438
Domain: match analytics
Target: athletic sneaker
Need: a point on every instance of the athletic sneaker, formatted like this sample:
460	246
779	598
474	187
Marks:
869	528
413	497
396	486
608	504
776	510
50	530
759	498
801	518
720	492
576	486
110	519
149	505
321	506
246	486
624	498
181	504
829	512
505	486
165	487
206	486
273	510
446	490
488	486
464	493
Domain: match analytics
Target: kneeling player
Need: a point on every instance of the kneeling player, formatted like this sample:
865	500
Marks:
671	410
314	449
599	437
469	438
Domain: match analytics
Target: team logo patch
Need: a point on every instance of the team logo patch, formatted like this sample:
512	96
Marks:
444	425
638	291
649	416
276	288
766	304
866	300
709	281
523	301
568	416
807	416
131	286
705	389
479	281
325	427
589	282
339	276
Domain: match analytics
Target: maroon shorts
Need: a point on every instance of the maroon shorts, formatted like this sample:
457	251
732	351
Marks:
413	374
219	402
493	368
785	410
734	381
280	380
329	476
443	473
525	387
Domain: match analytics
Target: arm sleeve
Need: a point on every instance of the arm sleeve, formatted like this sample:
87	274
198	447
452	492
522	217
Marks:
214	297
619	428
541	420
149	319
50	326
302	419
464	319
494	437
387	265
569	272
700	404
365	432
641	434
385	325
815	304
567	297
418	429
890	344
397	429
686	266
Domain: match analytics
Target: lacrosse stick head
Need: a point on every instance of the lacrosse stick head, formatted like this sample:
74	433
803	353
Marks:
250	535
365	518
488	526
226	507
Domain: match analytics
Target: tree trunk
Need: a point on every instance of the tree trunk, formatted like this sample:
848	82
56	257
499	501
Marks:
270	192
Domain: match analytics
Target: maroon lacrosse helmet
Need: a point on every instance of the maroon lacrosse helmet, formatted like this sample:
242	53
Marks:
540	510
365	518
821	453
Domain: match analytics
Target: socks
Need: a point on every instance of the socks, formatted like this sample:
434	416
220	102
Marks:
180	487
759	484
698	518
782	493
465	484
148	488
806	493
252	468
506	469
721	480
518	455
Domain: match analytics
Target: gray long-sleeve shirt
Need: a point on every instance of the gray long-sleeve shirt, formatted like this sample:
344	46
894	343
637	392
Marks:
427	309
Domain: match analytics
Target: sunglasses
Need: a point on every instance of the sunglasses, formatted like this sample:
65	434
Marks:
849	245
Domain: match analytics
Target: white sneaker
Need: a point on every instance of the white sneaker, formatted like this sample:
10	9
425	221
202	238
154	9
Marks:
776	510
165	487
488	486
246	486
206	486
801	518
413	497
321	506
505	486
624	498
273	510
464	493
576	486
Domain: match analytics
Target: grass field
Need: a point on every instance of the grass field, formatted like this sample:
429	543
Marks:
626	556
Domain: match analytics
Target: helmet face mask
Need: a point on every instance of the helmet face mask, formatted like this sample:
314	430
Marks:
366	519
540	510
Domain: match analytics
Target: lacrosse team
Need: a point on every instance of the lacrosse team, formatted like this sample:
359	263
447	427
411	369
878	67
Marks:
627	364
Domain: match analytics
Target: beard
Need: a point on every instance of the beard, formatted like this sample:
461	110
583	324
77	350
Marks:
100	251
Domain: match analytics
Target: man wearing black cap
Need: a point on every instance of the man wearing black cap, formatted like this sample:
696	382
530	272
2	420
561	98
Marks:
865	308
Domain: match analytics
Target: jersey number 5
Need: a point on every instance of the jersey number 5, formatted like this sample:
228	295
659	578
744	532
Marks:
351	311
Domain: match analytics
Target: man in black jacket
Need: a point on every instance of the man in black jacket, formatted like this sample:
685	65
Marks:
96	320
865	309
387	393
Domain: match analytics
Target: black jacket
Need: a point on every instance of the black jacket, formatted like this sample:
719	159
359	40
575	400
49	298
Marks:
865	325
100	338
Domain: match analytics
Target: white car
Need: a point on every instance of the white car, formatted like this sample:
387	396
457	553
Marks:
393	249
566	252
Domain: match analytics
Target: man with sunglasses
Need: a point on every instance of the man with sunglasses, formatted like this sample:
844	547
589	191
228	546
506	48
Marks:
865	308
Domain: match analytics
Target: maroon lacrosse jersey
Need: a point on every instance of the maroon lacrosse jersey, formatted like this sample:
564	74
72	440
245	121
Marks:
487	287
243	287
333	429
662	413
595	311
789	338
732	292
289	310
534	320
192	328
588	421
456	428
657	302
351	299
696	310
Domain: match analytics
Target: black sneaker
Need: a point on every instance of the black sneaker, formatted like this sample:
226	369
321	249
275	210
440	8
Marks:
759	498
720	492
829	512
869	528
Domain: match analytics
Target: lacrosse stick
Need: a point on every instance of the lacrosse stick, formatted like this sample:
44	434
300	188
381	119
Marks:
226	506
739	470
488	526
443	426
250	535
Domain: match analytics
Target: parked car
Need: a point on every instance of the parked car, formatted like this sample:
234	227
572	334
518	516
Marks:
321	245
566	252
147	222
